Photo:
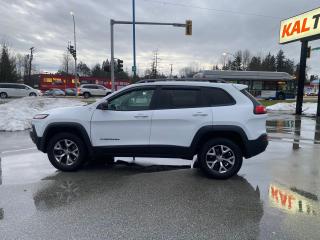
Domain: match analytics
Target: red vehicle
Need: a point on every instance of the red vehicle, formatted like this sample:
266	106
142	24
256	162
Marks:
49	81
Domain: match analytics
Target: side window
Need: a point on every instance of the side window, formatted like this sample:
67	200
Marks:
101	87
136	100
171	98
217	97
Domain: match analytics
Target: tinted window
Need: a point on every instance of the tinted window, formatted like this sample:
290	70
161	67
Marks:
136	100
179	98
217	97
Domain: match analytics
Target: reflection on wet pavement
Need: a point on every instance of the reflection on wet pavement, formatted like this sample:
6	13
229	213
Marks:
293	200
295	129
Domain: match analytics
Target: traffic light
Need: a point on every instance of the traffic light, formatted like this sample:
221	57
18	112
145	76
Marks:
309	52
188	27
72	51
120	65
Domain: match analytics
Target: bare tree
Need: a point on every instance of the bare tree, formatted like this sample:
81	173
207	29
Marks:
246	59
67	64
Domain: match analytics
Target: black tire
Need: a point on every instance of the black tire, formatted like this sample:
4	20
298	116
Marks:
82	153
86	95
108	93
214	171
32	94
3	95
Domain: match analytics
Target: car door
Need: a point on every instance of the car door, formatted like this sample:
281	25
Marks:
101	91
127	120
179	114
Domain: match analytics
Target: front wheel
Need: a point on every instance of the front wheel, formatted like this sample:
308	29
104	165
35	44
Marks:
86	95
220	158
32	94
66	151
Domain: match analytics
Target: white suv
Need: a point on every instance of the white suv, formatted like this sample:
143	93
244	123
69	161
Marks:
220	123
17	90
89	90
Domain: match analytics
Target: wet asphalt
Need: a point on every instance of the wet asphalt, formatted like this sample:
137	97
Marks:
275	195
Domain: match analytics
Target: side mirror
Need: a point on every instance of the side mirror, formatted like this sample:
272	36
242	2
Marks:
103	105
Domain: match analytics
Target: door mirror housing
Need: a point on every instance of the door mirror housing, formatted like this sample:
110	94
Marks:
103	105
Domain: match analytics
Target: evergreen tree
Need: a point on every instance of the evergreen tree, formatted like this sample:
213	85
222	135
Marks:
255	64
280	61
268	63
8	71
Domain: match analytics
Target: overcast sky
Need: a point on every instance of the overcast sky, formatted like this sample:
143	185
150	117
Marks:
218	26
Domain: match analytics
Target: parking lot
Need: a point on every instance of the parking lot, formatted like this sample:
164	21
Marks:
275	195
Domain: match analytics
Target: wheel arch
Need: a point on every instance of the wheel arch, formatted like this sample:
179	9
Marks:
233	133
70	127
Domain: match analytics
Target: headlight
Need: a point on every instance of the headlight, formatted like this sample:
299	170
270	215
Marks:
40	116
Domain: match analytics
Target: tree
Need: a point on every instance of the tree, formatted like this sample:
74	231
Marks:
8	71
269	63
246	58
97	71
255	64
67	64
83	69
237	62
280	59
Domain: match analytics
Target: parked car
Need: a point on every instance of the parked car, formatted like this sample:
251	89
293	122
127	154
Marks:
220	123
54	92
89	90
71	91
17	90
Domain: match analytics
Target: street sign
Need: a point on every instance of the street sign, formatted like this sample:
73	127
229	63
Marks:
304	26
134	68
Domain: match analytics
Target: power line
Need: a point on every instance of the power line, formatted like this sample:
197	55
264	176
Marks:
212	9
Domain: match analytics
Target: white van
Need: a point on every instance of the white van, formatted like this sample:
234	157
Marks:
17	90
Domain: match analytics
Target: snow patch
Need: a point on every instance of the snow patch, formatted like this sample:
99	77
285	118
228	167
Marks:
308	109
16	115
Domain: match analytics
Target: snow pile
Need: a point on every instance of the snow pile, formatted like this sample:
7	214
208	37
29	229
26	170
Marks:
309	109
16	115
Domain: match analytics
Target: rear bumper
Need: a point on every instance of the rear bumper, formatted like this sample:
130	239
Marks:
37	140
259	145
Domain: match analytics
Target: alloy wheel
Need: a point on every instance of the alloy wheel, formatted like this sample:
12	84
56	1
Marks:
66	152
220	159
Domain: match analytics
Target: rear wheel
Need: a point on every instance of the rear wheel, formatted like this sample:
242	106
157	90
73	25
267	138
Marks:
66	151
86	95
3	95
220	158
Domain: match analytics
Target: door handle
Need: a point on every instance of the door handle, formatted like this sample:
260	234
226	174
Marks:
141	116
199	114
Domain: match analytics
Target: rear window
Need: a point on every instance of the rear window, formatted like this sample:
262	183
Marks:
252	98
171	98
217	97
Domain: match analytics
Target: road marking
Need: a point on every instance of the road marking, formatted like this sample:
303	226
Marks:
19	150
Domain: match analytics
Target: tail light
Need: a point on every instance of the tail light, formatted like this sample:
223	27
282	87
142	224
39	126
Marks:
260	109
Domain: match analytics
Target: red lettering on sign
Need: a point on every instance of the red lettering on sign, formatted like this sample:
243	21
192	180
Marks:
274	193
304	28
291	198
283	198
296	27
286	29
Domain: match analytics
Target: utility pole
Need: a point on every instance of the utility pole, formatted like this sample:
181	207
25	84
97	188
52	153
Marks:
30	65
302	76
112	55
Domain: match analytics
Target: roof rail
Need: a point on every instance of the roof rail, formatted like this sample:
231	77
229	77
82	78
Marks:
182	80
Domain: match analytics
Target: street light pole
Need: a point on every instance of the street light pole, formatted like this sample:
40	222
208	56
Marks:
75	59
112	55
134	39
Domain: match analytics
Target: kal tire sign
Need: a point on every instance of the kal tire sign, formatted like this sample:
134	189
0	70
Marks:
303	26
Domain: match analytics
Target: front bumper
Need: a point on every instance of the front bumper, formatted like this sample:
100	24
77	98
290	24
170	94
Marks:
259	145
34	137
